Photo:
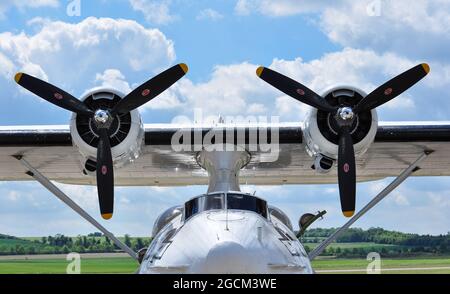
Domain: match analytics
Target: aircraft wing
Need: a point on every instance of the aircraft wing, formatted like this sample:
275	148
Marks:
397	144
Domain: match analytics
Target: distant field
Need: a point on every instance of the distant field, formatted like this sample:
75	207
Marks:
115	265
436	265
96	238
126	265
353	245
7	244
34	245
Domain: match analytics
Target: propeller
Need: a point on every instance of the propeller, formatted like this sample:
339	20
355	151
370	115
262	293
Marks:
344	117
103	119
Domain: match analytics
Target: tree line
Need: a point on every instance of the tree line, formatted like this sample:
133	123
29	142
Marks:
92	243
387	243
400	244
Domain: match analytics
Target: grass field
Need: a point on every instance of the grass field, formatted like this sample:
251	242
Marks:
438	265
58	266
353	245
127	266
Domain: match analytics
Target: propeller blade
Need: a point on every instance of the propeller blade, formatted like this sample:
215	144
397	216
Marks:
393	88
294	89
105	175
52	94
346	172
150	89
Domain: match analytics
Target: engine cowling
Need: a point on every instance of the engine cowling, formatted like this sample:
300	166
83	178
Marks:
126	132
321	131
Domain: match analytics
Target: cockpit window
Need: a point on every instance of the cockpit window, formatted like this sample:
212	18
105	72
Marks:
247	202
217	201
203	203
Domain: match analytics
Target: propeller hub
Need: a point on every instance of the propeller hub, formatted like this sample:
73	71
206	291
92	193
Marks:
346	113
101	116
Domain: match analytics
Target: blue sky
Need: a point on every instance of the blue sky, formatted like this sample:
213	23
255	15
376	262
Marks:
121	43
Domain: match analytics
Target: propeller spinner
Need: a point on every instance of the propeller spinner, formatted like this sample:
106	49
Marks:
103	119
344	116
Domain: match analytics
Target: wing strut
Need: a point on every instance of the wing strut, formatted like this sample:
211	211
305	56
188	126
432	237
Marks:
394	184
31	171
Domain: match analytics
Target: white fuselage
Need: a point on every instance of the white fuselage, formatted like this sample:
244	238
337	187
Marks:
225	241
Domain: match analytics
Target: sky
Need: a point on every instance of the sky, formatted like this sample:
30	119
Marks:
79	45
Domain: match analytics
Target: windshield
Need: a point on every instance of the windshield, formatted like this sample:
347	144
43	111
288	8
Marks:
247	202
203	203
217	201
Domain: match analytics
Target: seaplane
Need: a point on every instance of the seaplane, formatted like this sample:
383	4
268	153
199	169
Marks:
224	230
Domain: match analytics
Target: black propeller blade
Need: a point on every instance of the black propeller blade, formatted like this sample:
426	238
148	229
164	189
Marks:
52	94
150	89
105	175
345	116
392	88
293	89
346	172
103	119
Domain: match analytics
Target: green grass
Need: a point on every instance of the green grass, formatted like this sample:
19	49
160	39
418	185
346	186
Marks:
33	245
353	245
343	264
7	244
127	265
89	237
58	266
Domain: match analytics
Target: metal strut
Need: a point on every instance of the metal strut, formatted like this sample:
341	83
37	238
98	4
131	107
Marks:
394	184
75	207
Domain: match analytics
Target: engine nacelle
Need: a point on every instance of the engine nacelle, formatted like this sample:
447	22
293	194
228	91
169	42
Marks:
320	129
126	134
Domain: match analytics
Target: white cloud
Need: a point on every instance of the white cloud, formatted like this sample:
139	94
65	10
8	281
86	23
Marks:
113	78
236	90
210	14
231	90
6	67
166	100
13	195
400	199
84	196
419	29
366	70
256	108
291	110
106	51
71	55
155	11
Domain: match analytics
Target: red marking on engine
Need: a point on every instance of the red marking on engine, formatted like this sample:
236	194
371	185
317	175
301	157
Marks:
145	92
388	91
346	167
58	96
300	92
104	170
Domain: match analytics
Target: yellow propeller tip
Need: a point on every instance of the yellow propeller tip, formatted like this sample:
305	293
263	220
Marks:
426	67
348	213
184	67
17	77
259	70
107	215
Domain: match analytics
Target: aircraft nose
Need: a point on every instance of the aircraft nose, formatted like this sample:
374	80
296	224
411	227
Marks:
229	257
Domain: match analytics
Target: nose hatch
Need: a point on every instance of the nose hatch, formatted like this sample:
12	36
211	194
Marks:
229	257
